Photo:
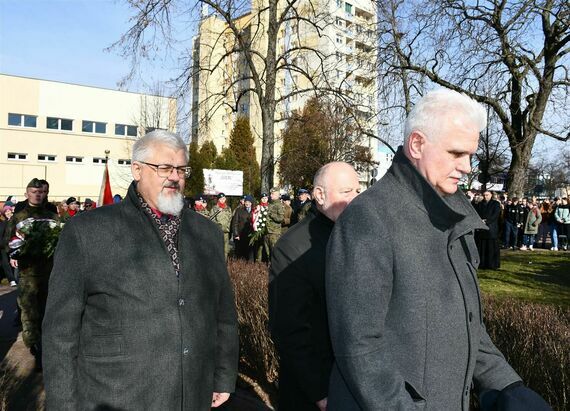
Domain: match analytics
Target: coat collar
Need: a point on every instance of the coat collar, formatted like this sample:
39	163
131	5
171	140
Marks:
454	211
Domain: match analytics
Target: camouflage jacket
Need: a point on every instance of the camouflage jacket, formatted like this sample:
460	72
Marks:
275	215
222	217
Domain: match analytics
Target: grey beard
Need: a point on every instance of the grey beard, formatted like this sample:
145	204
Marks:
172	204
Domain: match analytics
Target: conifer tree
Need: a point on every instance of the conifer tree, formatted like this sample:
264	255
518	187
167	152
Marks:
240	155
195	183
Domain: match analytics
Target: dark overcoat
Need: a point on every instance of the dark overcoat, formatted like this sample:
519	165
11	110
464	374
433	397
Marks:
403	300
490	211
298	315
122	331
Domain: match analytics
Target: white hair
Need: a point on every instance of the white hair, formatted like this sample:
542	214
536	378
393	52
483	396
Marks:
170	204
143	147
440	106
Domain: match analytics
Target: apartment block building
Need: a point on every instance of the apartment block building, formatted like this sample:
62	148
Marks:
66	133
331	47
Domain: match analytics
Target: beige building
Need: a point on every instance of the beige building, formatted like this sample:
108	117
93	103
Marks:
344	61
64	133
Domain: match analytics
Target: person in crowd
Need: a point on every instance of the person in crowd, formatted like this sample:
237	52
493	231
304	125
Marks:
301	206
46	204
562	216
297	308
512	223
72	209
275	215
259	215
117	198
242	229
553	224
221	214
488	240
201	206
543	228
5	216
404	311
287	213
533	220
33	266
240	205
88	205
524	208
62	208
141	313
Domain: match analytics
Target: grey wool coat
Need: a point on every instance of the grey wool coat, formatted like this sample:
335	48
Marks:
121	331
403	300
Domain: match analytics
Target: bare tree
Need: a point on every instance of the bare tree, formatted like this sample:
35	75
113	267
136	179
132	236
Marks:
518	47
264	43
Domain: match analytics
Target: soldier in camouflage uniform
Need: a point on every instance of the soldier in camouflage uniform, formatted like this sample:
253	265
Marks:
302	206
288	213
34	270
221	214
275	215
200	206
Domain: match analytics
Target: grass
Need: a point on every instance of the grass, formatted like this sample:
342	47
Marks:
537	276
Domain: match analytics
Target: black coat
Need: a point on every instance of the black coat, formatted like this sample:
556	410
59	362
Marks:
122	331
490	212
297	313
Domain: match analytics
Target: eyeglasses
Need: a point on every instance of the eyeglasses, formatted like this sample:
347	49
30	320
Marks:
165	170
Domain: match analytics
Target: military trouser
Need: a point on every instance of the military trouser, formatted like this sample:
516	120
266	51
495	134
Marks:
32	298
226	244
269	241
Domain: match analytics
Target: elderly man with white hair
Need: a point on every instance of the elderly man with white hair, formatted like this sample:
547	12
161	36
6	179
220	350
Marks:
404	307
140	312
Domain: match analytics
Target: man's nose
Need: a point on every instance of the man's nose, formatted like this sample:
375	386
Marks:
464	165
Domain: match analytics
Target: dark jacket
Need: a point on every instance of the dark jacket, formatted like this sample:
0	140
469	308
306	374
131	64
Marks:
513	213
490	212
241	223
405	314
297	313
122	331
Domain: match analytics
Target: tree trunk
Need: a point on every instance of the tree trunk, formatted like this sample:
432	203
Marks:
519	164
267	150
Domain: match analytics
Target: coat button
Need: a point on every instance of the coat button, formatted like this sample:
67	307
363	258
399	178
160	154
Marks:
185	351
181	301
470	316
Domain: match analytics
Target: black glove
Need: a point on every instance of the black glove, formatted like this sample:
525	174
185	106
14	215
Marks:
514	397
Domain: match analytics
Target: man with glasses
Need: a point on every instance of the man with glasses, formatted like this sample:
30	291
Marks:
142	315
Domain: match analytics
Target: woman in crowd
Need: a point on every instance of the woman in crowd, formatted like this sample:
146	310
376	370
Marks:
533	220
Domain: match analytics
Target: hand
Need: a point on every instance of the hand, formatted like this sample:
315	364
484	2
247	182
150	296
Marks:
236	238
218	398
13	263
322	404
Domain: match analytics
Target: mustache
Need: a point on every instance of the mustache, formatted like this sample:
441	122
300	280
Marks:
172	184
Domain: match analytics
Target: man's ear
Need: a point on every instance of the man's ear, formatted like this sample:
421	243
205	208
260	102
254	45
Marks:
136	170
415	144
319	195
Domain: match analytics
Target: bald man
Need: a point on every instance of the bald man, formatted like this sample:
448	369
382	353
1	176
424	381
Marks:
297	309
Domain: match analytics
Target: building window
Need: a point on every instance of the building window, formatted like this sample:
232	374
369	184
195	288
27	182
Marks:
46	157
17	156
56	123
125	130
21	120
339	22
99	160
124	162
348	8
73	159
94	127
339	40
339	3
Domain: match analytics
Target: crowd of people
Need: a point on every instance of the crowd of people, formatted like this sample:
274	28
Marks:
519	224
370	307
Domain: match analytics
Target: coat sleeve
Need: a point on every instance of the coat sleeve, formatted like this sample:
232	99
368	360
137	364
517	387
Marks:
62	321
227	345
290	309
492	372
359	281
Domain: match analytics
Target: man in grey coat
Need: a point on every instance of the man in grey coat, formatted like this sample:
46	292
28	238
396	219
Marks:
403	301
140	312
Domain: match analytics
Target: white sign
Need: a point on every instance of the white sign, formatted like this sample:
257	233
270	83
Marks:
229	182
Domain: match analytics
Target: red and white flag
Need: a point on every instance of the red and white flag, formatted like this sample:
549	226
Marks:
105	196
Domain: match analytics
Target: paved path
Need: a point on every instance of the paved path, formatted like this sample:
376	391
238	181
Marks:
21	388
